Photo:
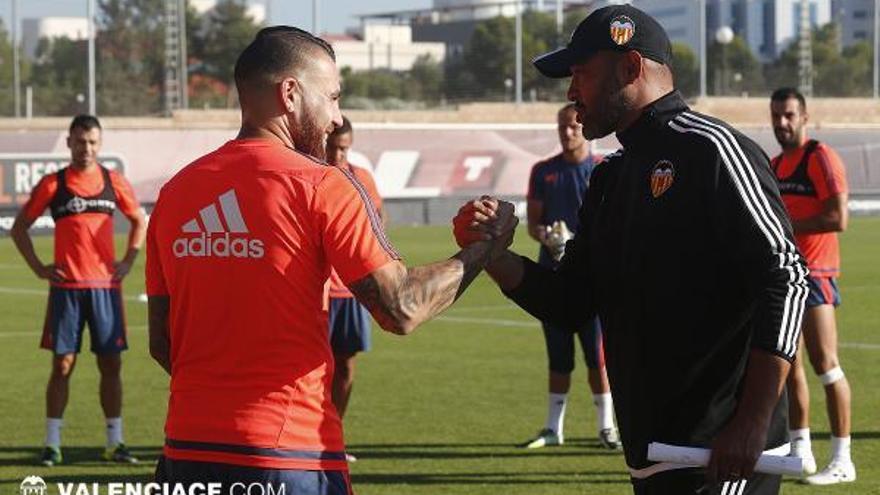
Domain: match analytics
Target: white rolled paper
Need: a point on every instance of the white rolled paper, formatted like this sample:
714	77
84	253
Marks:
694	456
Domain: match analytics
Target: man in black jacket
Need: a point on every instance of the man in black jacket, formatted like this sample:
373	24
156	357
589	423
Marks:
686	255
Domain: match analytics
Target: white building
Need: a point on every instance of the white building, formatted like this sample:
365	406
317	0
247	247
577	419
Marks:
472	10
33	29
77	28
767	26
383	46
257	11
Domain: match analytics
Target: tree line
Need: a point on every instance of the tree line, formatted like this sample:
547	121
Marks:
130	58
130	65
486	68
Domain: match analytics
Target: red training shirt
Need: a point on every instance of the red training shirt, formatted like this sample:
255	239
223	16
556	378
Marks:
84	247
242	241
827	174
337	287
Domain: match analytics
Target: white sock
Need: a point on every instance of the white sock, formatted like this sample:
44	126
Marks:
800	442
604	410
114	432
556	412
53	432
840	449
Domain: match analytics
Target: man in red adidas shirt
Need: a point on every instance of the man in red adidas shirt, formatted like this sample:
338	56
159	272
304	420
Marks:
85	278
812	180
349	320
239	247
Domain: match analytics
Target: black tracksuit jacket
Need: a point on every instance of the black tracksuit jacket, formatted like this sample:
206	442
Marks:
686	254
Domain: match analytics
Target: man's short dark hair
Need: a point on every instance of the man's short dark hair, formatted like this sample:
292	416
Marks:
345	128
85	122
784	94
274	52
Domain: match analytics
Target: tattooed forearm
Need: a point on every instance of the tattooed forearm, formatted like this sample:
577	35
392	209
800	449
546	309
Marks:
369	293
400	299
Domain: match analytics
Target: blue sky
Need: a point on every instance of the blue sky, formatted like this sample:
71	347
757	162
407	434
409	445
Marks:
335	15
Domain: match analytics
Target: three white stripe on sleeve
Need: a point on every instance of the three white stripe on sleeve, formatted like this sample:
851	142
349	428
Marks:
747	184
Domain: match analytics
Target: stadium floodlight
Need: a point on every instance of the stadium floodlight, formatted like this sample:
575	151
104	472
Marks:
16	75
702	22
805	50
559	22
518	52
316	17
176	77
90	22
876	49
724	36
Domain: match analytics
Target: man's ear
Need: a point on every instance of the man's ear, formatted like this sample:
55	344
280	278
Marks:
630	66
289	94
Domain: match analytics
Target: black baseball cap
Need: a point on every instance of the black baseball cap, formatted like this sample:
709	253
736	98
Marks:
616	27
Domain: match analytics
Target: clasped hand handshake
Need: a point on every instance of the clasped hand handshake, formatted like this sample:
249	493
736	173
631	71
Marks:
486	219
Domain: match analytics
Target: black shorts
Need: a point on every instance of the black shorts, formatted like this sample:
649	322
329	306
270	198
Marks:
560	346
693	482
236	480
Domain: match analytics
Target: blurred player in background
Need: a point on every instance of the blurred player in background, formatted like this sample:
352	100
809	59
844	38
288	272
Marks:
556	189
812	180
84	279
349	320
239	248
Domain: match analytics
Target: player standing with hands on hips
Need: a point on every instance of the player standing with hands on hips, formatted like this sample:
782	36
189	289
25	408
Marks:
85	280
685	253
812	180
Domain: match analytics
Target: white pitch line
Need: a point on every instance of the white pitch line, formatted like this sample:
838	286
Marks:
21	291
859	345
454	319
526	324
468	309
37	334
489	321
11	266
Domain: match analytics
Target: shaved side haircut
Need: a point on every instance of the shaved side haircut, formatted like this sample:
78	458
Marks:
275	52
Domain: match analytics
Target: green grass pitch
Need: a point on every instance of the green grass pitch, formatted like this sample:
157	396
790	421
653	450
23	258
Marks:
437	412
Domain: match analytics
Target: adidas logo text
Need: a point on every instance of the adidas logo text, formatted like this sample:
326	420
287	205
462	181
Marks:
214	239
221	246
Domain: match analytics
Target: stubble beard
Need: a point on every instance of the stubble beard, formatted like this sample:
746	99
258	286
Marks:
791	142
311	140
608	118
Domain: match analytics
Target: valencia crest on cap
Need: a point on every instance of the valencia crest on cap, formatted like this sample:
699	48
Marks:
622	29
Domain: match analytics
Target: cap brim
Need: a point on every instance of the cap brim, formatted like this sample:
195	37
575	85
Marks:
556	64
